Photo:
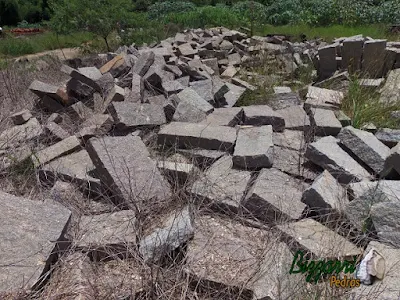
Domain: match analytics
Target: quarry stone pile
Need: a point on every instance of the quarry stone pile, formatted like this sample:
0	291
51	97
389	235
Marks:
159	132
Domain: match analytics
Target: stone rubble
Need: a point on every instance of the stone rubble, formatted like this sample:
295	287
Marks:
152	133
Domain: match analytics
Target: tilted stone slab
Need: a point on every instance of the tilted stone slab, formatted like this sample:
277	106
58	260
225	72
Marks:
143	64
76	167
192	135
191	107
295	117
373	59
390	137
128	115
319	240
365	194
88	76
225	117
390	91
221	185
254	148
352	51
124	166
202	158
327	154
107	234
366	147
178	173
324	122
325	194
294	163
220	257
32	234
291	139
234	94
258	115
322	98
21	117
175	231
275	196
42	89
137	90
384	216
63	147
20	134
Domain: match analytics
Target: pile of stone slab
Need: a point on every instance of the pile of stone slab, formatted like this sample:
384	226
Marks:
283	169
374	58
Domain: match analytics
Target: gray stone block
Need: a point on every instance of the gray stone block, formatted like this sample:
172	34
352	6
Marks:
191	135
327	154
254	148
32	235
366	147
117	157
258	115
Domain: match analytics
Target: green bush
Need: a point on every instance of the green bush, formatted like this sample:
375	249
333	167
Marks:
205	16
160	9
250	10
284	12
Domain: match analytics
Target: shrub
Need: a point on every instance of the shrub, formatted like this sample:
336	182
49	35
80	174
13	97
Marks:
284	12
160	9
252	11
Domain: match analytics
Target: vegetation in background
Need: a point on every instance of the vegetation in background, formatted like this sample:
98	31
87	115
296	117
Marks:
100	17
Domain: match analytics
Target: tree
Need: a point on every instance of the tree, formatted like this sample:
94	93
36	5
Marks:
9	12
100	17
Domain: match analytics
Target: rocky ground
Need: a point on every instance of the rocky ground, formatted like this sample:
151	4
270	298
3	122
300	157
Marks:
142	174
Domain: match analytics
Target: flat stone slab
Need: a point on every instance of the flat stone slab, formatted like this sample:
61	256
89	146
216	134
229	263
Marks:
390	137
389	286
365	146
176	230
284	100
31	233
115	158
63	147
20	134
76	167
129	115
258	115
327	154
222	185
42	89
223	255
111	232
319	240
325	194
295	117
254	148
224	117
143	64
88	76
192	135
291	139
323	98
275	196
204	88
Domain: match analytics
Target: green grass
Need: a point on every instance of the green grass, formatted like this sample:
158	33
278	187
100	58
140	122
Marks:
363	107
328	33
12	46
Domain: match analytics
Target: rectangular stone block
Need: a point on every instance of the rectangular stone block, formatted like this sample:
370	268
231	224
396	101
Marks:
191	135
125	168
254	148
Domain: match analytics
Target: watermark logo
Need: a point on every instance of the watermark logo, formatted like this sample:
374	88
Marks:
315	269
